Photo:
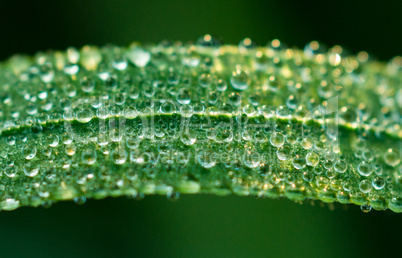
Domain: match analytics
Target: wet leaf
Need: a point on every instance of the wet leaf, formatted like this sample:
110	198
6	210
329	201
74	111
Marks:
205	118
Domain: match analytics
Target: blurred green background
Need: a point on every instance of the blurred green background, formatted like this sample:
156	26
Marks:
199	226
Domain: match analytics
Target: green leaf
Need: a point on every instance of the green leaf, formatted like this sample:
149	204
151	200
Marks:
185	119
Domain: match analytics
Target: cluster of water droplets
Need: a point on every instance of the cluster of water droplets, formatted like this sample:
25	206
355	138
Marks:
173	117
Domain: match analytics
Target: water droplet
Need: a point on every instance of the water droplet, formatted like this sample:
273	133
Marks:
84	115
299	162
47	151
292	102
87	84
208	41
365	208
251	160
248	110
277	139
221	85
378	183
168	107
183	96
138	56
307	143
273	83
110	83
10	171
246	44
365	186
10	140
89	156
392	157
70	149
71	69
308	176
116	135
132	142
211	133
173	196
102	112
130	112
186	110
31	169
80	200
119	63
348	114
312	159
207	159
119	156
283	112
340	166
365	168
66	138
266	111
9	204
205	80
28	152
234	99
188	137
240	80
284	152
198	108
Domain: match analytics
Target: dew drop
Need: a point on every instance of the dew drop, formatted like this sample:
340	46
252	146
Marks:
80	200
102	112
186	110
365	208
66	138
10	171
31	169
173	196
205	80
312	159
47	151
168	107
307	143
206	159
70	149
221	85
277	139
84	115
116	135
340	166
240	80
299	162
378	183
308	176
132	142
89	156
284	152
211	133
119	156
119	63
87	84
138	56
130	112
10	140
392	157
251	160
183	97
28	152
188	137
365	186
365	168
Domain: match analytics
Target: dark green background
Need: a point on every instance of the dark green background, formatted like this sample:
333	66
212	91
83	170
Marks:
199	226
